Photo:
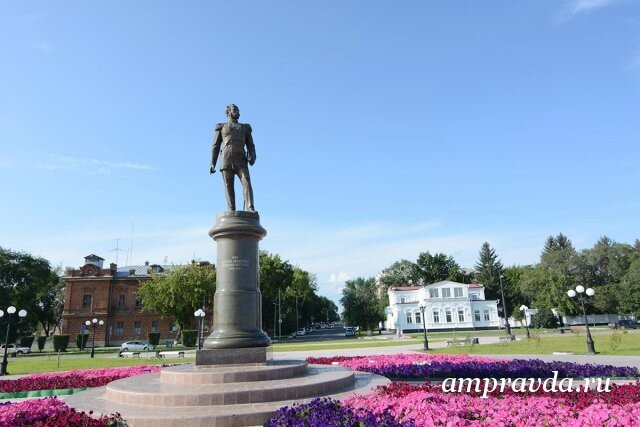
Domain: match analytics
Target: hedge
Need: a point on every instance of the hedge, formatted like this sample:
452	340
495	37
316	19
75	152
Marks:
189	337
154	338
61	342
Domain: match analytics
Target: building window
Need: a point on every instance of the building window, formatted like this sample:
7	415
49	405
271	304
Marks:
447	315
476	315
86	301
173	326
138	302
409	318
121	300
433	293
137	328
154	326
474	296
418	317
487	316
119	328
460	315
436	316
457	292
446	292
403	300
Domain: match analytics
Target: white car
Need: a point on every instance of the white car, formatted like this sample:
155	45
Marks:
136	346
300	332
14	350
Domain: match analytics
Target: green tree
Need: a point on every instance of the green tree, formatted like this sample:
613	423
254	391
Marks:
437	267
275	276
488	271
400	273
362	306
28	282
179	291
629	290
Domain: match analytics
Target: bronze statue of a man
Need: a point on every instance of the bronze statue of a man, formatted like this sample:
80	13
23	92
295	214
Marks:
232	138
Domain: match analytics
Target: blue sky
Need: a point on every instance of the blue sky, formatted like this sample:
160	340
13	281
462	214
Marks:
383	129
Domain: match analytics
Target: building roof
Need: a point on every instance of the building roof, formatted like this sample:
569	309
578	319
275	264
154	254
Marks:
405	288
93	257
140	270
476	285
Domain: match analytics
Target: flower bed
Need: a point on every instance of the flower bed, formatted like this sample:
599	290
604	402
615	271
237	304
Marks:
430	406
51	412
401	404
428	366
327	412
72	379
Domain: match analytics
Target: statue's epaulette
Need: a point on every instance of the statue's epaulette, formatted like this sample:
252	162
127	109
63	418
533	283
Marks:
219	126
249	126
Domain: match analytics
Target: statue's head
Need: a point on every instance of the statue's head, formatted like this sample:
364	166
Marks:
232	111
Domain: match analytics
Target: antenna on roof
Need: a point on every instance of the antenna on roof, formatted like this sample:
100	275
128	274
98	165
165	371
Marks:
131	244
117	249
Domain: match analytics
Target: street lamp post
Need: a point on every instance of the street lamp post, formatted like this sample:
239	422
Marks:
199	313
523	309
10	312
507	327
423	306
589	292
94	323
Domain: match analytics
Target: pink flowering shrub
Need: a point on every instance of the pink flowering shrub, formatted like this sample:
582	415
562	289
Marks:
51	412
429	406
73	379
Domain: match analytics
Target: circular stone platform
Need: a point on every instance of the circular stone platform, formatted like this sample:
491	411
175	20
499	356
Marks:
236	395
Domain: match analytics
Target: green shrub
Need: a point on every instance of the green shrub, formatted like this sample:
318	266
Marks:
154	338
41	342
27	341
189	337
81	341
61	342
544	319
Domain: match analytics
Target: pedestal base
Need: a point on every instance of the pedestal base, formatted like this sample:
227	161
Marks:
233	356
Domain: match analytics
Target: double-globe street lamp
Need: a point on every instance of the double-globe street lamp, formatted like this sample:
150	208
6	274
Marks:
580	290
94	323
523	309
423	306
10	312
199	313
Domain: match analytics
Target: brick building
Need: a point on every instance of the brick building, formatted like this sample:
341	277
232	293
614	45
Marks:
109	294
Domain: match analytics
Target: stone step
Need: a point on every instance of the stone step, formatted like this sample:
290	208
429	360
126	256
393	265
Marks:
252	414
273	370
148	390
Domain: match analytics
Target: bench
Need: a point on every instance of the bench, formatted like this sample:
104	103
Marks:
164	354
507	338
563	330
466	341
130	354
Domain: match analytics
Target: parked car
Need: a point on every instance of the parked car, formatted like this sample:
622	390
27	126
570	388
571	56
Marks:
624	324
14	350
136	346
349	332
300	332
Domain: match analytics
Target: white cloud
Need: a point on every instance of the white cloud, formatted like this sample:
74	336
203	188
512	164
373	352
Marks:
341	277
44	46
573	8
88	165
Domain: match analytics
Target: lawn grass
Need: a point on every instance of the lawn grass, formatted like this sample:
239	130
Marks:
70	362
342	344
577	344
